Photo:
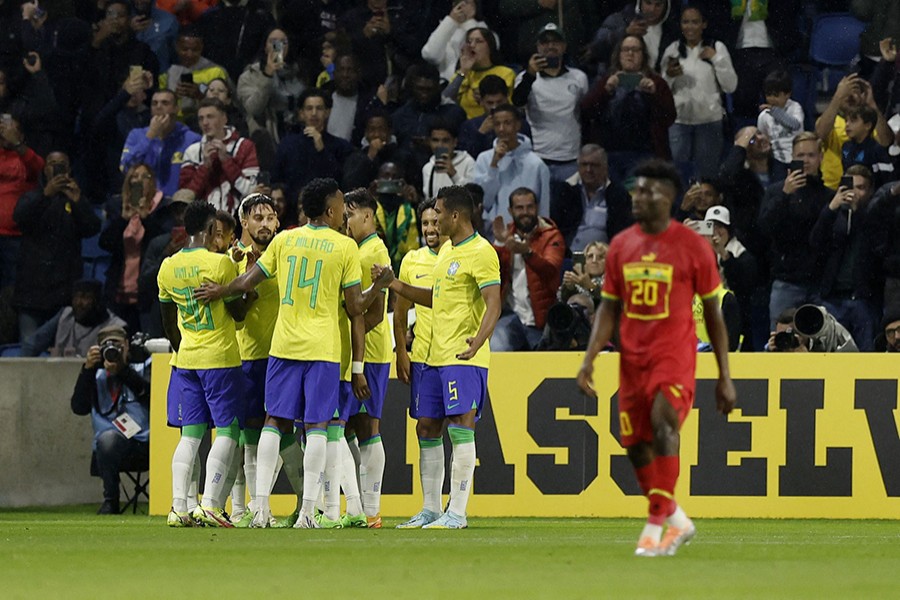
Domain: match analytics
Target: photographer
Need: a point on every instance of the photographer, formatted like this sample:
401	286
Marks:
568	324
117	396
809	328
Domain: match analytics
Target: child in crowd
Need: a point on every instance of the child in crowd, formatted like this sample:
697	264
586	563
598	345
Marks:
780	118
862	149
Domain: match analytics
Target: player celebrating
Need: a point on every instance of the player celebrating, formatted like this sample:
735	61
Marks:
207	381
416	269
653	271
465	302
312	265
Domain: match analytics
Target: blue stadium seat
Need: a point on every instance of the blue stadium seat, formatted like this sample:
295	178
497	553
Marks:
835	39
10	350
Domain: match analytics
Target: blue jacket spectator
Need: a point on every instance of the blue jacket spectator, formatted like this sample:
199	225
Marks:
156	28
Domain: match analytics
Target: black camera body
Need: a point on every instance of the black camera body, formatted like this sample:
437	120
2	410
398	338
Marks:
569	327
111	350
786	340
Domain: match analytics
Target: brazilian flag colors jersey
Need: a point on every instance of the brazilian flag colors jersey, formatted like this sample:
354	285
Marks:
460	273
255	337
379	346
207	330
312	264
417	269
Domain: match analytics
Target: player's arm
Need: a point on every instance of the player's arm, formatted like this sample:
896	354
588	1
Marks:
605	322
358	345
726	397
375	313
238	307
169	313
243	284
491	295
357	301
413	293
401	326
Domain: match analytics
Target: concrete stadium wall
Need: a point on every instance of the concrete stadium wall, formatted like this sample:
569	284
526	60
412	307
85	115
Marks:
45	449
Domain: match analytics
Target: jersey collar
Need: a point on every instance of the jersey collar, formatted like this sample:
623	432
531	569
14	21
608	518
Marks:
467	240
367	238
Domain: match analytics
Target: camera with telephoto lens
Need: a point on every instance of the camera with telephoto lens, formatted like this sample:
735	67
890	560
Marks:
111	350
786	340
569	327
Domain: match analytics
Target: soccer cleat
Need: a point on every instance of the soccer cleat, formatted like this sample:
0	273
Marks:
305	521
177	519
244	521
325	523
262	518
288	521
215	517
448	520
374	522
354	521
674	538
421	519
197	516
647	546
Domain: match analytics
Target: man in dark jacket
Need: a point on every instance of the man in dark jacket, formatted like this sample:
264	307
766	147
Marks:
234	31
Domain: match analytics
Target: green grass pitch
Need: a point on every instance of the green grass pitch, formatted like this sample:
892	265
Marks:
70	553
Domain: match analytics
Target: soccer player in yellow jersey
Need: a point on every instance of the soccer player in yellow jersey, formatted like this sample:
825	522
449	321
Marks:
465	302
416	269
313	265
207	382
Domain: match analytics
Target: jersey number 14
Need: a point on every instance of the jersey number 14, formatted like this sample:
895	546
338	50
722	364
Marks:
303	282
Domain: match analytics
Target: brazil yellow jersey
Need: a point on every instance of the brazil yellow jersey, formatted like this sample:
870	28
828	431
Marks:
207	330
379	348
312	264
417	269
346	344
460	273
255	337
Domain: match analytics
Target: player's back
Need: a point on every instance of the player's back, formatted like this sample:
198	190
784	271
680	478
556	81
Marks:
255	337
417	269
207	330
379	348
312	264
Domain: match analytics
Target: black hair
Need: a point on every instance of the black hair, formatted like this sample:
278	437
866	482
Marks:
423	70
315	194
423	206
225	218
458	198
492	84
125	3
865	113
197	217
786	317
361	198
656	168
213	102
777	82
190	31
380	113
166	91
704	41
523	191
251	201
506	107
477	193
314	93
88	286
488	35
438	124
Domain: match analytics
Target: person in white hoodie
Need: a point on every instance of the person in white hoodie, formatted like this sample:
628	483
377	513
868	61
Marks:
447	165
444	44
510	164
699	71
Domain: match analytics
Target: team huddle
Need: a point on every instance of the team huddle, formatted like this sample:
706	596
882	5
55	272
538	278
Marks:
292	328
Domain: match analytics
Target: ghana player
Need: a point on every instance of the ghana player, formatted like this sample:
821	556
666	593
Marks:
653	270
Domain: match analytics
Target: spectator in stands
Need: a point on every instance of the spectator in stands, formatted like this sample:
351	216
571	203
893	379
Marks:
186	11
157	28
699	197
883	18
849	287
20	168
477	134
890	326
412	119
698	69
587	277
350	103
478	59
396	212
379	145
380	36
886	79
651	20
780	119
528	20
444	44
53	218
223	91
133	219
531	251
234	30
551	94
862	149
268	90
120	388
162	144
313	152
831	126
191	75
589	207
788	213
447	166
478	221
74	329
629	111
31	98
510	164
221	168
307	23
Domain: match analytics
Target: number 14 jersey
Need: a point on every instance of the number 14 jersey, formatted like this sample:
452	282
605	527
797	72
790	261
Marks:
313	265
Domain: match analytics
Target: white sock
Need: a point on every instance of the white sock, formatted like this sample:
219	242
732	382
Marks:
182	466
235	484
372	463
292	456
331	485
193	493
313	469
353	445
679	518
348	480
431	473
462	469
250	472
652	531
266	459
217	464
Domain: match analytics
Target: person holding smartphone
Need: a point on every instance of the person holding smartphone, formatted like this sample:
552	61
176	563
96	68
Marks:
191	74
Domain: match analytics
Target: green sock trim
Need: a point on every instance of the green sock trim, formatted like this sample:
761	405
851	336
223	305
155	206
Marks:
375	439
335	433
461	435
250	437
430	442
233	430
194	431
351	435
317	431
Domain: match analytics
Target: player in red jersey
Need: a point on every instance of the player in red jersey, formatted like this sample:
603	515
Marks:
653	270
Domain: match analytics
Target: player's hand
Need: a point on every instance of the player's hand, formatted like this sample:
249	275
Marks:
382	275
360	386
93	359
403	365
585	379
237	253
471	351
726	397
209	291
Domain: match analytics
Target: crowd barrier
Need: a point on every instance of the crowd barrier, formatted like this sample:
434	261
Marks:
814	436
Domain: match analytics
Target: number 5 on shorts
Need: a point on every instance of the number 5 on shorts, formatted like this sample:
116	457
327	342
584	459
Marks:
452	395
